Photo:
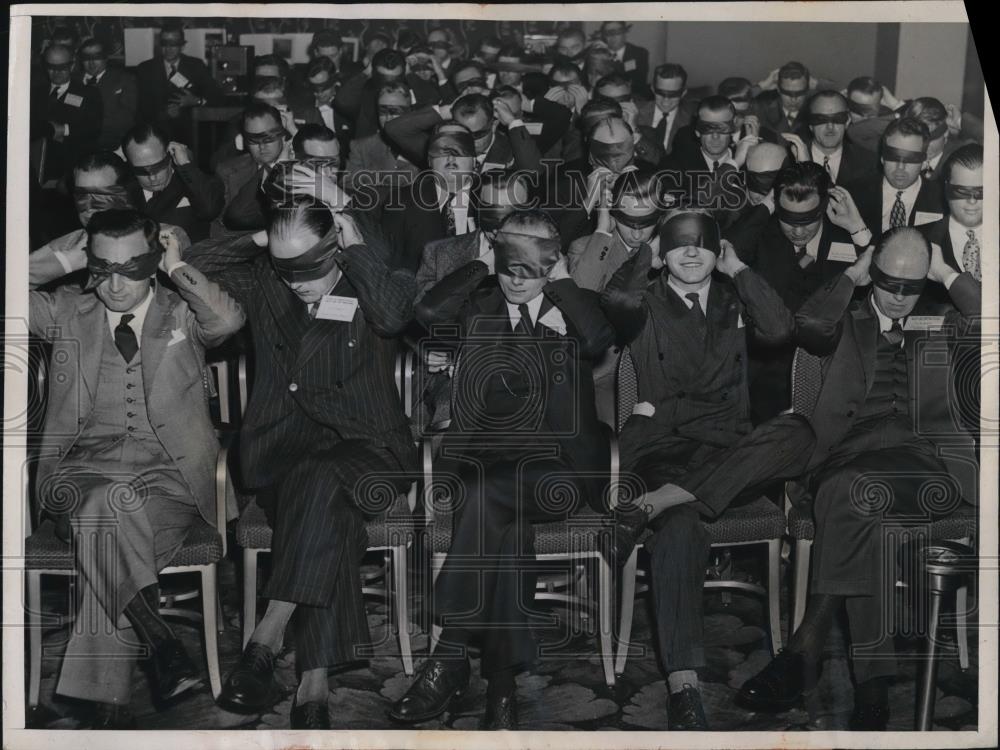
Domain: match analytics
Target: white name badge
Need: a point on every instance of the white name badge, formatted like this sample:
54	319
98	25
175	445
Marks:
629	65
73	100
179	80
333	307
842	252
924	323
926	217
533	128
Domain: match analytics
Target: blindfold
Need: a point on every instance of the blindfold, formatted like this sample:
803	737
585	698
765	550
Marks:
115	196
269	136
387	110
621	98
903	155
799	218
837	118
761	182
314	263
490	218
866	110
796	94
684	230
614	156
93	57
703	127
895	284
525	256
669	93
136	268
635	222
451	144
151	169
439	45
60	68
958	192
469	82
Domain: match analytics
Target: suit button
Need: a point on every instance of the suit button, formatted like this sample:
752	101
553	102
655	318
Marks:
130	400
850	412
279	346
681	394
129	385
293	387
130	414
340	384
131	428
130	370
350	344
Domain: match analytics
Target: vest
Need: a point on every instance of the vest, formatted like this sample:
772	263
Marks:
889	396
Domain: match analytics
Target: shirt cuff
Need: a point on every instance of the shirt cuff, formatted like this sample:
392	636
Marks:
64	261
862	238
174	267
518	123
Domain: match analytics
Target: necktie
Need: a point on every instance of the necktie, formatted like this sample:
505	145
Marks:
54	93
125	338
715	166
91	81
448	214
524	325
826	165
970	255
173	71
895	334
802	257
698	315
898	216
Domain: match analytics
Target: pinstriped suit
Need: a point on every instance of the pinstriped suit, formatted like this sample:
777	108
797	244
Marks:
323	416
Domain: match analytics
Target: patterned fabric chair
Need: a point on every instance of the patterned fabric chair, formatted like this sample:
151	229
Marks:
757	523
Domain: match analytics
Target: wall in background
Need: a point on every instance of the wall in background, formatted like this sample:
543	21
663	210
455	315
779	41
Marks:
932	60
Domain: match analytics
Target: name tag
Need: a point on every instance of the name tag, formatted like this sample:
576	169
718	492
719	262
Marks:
534	128
184	202
924	323
73	100
629	65
179	80
333	307
553	320
842	252
926	217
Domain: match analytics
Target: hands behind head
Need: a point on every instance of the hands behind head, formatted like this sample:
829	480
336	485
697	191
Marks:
560	270
858	271
503	111
180	153
321	185
799	149
348	230
728	261
843	212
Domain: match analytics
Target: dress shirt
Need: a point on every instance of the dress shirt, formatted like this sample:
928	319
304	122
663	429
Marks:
702	294
834	163
959	236
671	116
463	222
533	307
889	199
725	158
884	321
114	318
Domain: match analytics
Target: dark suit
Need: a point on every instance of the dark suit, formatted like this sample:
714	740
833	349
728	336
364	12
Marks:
324	420
505	451
357	100
768	107
856	164
635	67
687	110
118	97
862	437
243	210
699	436
155	92
373	154
867	194
80	108
191	200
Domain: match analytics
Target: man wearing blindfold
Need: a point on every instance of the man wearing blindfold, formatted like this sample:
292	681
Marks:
886	401
669	111
374	160
65	113
101	181
781	107
117	90
960	233
174	189
630	58
689	441
827	117
522	415
323	428
137	352
899	195
948	130
571	44
714	129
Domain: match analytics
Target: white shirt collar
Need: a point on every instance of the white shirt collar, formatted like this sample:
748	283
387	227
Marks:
959	236
484	244
619	54
884	321
933	163
812	246
726	158
682	293
889	198
114	318
99	76
60	89
463	221
533	307
835	158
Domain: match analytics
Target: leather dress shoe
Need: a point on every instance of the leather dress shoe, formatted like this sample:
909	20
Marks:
779	686
111	716
171	670
501	710
629	524
685	712
872	717
250	687
438	682
311	715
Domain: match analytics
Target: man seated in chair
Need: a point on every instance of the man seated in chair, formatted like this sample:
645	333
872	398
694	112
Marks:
688	447
523	421
128	449
324	431
884	414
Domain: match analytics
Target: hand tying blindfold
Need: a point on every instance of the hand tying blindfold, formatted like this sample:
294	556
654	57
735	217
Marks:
115	196
525	256
902	155
314	263
896	284
137	268
686	230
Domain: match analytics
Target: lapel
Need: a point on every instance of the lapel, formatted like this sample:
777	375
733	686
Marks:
866	338
88	327
825	239
167	198
281	300
678	308
156	334
720	308
948	249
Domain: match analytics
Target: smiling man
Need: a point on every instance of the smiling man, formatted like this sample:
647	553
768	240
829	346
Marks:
827	116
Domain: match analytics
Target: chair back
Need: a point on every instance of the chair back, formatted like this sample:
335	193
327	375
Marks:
626	388
807	379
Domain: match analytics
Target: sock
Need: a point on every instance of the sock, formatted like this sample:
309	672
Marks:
677	681
453	643
873	692
810	638
502	682
143	612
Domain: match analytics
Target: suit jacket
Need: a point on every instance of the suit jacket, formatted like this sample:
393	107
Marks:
155	90
373	154
856	164
867	194
336	378
845	334
191	200
441	257
242	209
687	110
565	417
635	65
593	259
768	107
178	328
81	109
938	234
119	100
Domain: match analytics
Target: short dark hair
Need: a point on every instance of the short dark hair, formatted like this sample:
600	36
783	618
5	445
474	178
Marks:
969	156
928	110
565	67
143	133
121	222
671	70
716	103
733	86
596	110
172	27
277	61
793	70
257	110
321	65
469	104
613	79
302	213
311	131
609	121
642	182
407	38
325	38
96	160
864	85
906	126
388	58
800	180
93	42
572	31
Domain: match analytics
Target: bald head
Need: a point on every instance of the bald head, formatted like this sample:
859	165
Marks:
903	253
765	157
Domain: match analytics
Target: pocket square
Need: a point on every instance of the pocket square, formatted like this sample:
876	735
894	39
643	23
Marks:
176	336
644	409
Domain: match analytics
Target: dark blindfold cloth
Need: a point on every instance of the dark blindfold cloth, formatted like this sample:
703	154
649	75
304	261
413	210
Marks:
525	256
704	126
314	263
799	218
614	156
151	169
890	153
451	144
836	118
268	136
958	192
115	196
895	284
940	130
136	268
866	110
761	182
687	229
635	222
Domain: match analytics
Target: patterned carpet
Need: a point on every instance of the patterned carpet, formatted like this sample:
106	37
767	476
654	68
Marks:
568	690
